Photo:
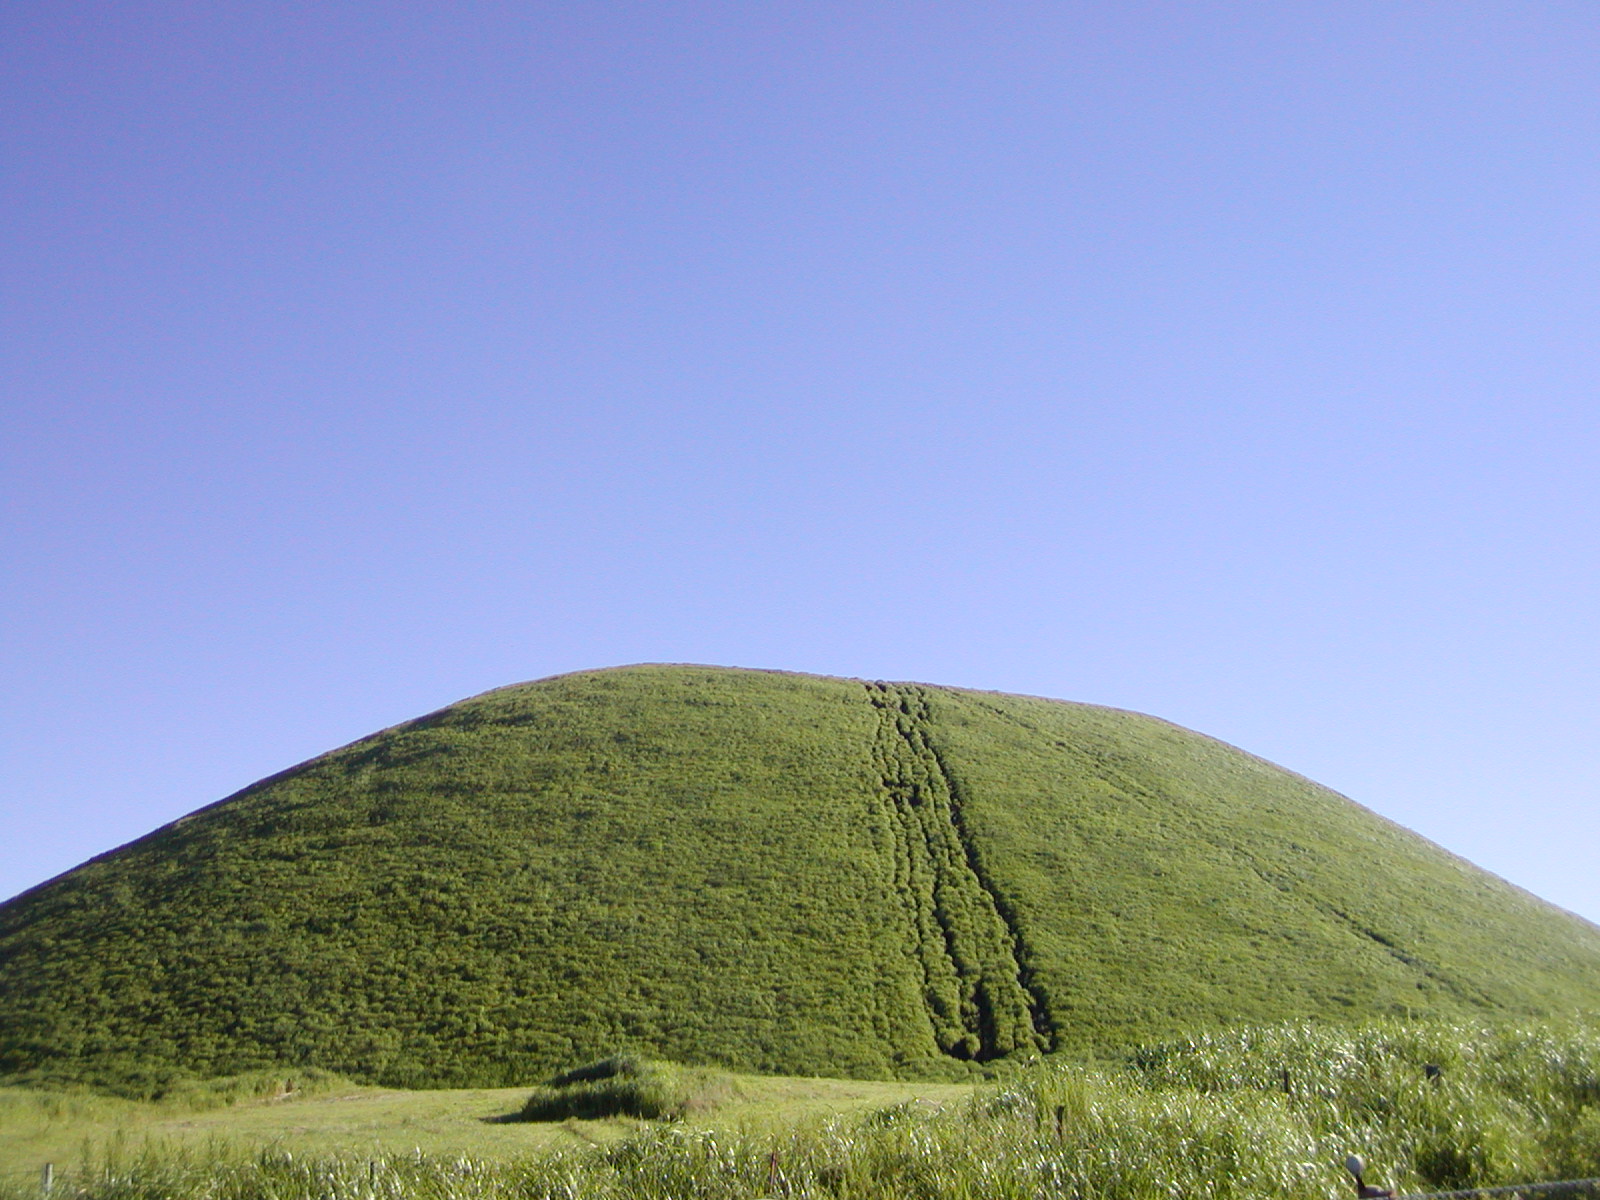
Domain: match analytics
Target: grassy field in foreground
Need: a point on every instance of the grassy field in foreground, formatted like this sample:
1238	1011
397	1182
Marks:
339	1118
1264	1113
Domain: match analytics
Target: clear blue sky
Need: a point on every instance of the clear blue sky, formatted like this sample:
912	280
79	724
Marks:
1232	362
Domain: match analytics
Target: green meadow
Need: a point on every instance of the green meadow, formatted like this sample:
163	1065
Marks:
328	1116
1262	1112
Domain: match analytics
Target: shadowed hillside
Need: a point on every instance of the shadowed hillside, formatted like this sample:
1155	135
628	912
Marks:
771	872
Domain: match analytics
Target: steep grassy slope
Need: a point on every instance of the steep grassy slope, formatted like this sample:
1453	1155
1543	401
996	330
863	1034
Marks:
771	872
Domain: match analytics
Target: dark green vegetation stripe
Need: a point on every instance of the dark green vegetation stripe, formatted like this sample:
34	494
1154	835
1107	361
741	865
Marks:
978	1004
757	870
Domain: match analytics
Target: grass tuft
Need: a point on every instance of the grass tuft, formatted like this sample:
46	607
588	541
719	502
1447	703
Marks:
628	1086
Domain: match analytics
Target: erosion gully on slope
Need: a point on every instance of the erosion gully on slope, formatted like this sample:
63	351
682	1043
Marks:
971	957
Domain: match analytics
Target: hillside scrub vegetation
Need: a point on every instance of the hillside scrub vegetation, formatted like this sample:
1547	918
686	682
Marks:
758	872
1430	1107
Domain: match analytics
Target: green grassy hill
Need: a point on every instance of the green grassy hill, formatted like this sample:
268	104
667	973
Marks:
769	872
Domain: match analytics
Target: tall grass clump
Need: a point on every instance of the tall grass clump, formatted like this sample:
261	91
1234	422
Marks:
627	1086
1449	1105
277	1174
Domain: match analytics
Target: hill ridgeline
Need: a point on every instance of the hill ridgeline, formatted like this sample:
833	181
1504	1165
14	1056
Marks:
766	871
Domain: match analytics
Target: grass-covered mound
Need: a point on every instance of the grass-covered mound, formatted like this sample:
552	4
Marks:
626	1085
761	871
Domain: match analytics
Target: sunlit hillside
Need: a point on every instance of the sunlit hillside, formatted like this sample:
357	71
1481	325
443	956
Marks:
762	871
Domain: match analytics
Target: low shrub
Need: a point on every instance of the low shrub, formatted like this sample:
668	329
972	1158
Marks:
627	1086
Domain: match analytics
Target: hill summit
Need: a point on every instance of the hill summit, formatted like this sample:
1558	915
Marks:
767	871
